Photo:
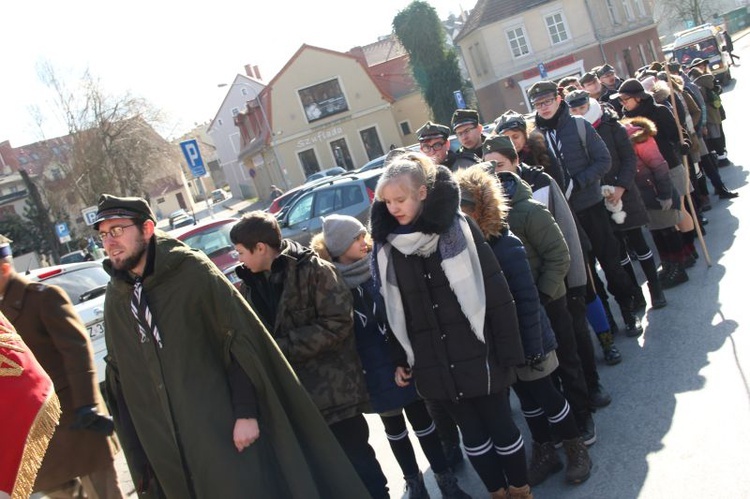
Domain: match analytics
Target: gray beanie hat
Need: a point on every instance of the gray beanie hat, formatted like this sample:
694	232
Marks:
339	232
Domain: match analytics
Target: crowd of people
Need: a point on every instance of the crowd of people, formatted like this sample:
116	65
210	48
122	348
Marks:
478	275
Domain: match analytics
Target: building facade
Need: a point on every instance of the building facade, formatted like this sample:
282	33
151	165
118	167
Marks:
327	108
226	136
509	45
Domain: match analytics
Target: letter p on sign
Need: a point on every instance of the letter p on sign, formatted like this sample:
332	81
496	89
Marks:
193	157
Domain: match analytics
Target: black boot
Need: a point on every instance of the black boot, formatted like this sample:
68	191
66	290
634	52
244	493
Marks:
633	326
675	276
658	300
725	193
611	353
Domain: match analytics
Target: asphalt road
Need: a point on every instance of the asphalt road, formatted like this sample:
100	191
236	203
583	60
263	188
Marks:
679	423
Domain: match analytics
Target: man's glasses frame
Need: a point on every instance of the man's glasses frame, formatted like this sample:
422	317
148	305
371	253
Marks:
426	148
114	232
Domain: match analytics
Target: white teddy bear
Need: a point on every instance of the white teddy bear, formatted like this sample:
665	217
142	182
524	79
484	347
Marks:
617	214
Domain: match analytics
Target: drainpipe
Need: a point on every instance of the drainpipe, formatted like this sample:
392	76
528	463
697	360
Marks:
596	31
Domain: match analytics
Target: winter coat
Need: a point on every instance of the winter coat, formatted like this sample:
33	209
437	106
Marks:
586	165
707	86
545	245
48	323
314	329
450	362
546	191
668	136
622	173
375	342
652	176
172	404
535	153
536	334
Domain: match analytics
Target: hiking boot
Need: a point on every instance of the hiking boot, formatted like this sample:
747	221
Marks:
598	397
633	327
658	300
544	462
579	462
415	487
587	429
674	277
449	486
611	353
520	492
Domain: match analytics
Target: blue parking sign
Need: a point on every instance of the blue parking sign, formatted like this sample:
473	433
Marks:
193	157
62	231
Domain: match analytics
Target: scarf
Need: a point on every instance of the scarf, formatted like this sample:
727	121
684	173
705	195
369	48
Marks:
460	263
355	273
594	114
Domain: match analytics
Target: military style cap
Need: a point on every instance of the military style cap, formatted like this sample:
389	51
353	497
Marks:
510	120
498	143
464	117
122	207
542	88
588	77
630	88
432	130
577	98
604	70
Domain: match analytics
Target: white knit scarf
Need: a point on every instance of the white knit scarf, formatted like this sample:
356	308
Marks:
460	263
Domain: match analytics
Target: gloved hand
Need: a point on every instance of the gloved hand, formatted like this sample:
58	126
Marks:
685	148
666	204
534	361
88	419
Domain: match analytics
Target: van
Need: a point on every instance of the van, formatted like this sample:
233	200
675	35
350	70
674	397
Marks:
703	42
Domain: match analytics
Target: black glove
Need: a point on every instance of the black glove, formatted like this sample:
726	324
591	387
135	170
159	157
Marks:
685	148
534	361
88	419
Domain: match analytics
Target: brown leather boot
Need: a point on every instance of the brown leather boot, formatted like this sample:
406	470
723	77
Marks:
579	462
544	462
520	492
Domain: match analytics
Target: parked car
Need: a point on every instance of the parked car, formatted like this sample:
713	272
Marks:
330	172
219	195
85	283
212	238
350	194
76	257
180	218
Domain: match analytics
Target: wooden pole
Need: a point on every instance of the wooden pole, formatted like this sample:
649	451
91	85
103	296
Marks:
685	163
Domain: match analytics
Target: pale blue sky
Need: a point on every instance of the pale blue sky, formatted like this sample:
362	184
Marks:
171	54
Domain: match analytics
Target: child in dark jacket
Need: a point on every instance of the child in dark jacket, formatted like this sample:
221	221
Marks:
452	313
544	407
345	243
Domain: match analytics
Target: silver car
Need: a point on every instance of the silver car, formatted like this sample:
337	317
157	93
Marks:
85	283
350	194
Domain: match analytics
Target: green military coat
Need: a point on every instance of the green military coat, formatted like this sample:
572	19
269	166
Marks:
172	405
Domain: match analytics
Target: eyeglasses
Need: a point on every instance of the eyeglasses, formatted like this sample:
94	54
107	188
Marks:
114	233
426	148
544	103
466	131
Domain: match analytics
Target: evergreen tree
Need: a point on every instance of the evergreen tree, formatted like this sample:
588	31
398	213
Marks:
434	63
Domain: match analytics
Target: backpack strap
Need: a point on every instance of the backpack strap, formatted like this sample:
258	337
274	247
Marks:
581	126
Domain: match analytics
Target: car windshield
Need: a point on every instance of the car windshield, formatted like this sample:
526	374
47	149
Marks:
213	241
81	284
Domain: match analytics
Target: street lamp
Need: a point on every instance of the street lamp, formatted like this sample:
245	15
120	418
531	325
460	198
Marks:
256	99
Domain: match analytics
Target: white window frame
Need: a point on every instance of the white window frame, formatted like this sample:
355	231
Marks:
614	15
513	28
564	23
642	53
628	8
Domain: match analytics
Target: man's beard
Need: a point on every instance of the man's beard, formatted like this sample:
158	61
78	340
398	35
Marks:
133	260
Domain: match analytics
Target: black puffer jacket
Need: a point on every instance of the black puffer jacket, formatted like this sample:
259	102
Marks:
450	362
623	170
667	136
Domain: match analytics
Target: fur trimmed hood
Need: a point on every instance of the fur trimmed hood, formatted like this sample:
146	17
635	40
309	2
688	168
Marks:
437	215
318	245
639	128
483	189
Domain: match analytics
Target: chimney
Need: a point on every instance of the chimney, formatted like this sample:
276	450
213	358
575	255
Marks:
249	70
256	70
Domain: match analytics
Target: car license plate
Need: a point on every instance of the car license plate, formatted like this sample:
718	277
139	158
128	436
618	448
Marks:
96	330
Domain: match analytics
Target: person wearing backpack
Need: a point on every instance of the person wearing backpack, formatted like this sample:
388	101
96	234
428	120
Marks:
583	166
